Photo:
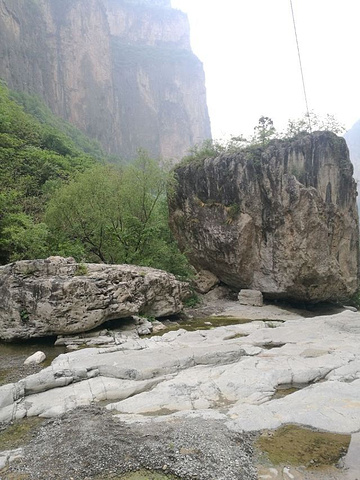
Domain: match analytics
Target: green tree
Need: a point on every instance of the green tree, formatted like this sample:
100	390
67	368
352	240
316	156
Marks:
264	131
118	215
311	122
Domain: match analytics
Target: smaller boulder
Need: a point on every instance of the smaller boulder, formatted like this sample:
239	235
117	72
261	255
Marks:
251	297
205	281
35	359
350	308
144	327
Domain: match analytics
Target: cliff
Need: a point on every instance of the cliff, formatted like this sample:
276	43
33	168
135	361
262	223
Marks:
120	70
282	219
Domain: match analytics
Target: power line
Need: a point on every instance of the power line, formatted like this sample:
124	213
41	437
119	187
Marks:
301	68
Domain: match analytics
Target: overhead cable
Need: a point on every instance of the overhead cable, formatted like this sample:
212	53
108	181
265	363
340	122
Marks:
301	67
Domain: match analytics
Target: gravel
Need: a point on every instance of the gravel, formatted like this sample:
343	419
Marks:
89	442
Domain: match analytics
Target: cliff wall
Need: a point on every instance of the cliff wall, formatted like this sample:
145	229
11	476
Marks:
120	70
282	219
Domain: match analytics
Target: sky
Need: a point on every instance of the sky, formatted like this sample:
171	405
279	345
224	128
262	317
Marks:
251	64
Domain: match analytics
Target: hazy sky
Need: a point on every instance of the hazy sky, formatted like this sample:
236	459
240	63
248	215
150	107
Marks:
250	58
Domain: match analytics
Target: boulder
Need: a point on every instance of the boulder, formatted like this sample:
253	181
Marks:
58	296
280	219
205	281
35	359
250	297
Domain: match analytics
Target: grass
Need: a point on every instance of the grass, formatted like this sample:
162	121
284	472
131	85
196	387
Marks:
18	433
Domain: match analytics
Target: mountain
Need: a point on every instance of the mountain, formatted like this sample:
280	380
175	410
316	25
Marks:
120	70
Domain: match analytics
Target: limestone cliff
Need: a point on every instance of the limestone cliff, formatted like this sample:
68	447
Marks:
282	219
121	70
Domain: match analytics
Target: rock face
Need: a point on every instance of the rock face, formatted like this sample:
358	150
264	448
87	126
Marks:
120	70
58	296
282	220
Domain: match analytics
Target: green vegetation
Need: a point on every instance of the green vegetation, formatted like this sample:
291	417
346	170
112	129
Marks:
81	270
56	129
116	215
59	195
192	300
35	160
264	132
18	433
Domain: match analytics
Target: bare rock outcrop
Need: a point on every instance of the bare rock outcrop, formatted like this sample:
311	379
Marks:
59	296
280	219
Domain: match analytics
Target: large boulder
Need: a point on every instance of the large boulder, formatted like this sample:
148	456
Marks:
59	296
282	219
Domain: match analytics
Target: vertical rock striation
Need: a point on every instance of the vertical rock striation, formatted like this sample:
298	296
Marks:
282	219
121	70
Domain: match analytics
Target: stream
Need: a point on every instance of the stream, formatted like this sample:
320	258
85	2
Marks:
295	446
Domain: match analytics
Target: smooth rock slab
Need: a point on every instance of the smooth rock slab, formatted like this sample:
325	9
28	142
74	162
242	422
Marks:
213	372
329	406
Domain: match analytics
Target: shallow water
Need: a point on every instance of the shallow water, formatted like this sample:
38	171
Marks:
287	389
13	355
205	323
294	445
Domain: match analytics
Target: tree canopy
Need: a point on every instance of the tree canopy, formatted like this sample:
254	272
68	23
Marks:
60	196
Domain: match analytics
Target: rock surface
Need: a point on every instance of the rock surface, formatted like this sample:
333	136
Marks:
229	373
36	358
250	297
57	296
282	220
122	71
205	281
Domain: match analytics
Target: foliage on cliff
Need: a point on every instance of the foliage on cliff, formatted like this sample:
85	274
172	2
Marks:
264	132
56	198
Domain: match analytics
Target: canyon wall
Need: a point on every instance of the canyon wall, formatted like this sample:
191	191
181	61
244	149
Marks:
120	70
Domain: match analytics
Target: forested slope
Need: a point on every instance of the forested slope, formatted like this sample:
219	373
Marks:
60	195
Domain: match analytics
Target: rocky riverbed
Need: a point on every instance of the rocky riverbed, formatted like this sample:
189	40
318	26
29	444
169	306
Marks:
194	404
